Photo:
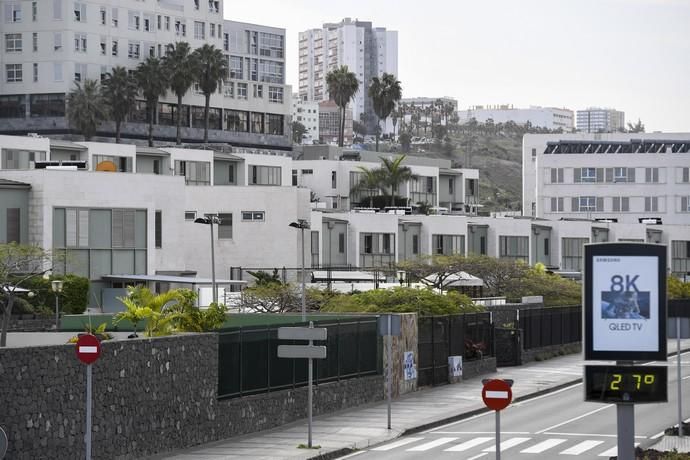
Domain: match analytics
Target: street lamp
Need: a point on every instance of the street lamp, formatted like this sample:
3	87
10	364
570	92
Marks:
210	220
56	286
302	224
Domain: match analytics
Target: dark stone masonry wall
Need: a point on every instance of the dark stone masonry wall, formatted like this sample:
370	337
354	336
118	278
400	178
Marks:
30	323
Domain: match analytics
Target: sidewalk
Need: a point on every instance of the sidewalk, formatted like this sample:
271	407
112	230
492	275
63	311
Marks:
360	427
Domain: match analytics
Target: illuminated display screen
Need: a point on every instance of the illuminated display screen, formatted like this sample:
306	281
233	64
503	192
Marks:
633	384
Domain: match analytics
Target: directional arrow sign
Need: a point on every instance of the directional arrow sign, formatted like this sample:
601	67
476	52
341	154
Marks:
497	394
302	333
301	351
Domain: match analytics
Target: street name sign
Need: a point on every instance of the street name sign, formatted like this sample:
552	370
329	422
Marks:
302	351
88	349
497	394
302	333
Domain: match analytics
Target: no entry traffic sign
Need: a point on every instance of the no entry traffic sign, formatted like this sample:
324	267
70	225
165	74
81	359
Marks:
497	394
88	349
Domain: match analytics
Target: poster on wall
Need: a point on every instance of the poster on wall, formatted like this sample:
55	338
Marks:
409	367
625	301
455	366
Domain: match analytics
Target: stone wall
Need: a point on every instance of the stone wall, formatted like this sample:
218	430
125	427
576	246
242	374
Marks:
543	353
407	341
30	323
478	367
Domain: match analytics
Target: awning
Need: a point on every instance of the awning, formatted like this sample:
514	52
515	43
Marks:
343	275
151	151
170	279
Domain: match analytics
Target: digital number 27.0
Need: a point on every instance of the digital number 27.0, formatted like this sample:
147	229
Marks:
647	379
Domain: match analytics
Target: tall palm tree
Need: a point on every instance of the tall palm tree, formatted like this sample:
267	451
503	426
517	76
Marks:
395	174
181	67
119	91
342	87
86	108
153	82
212	69
370	181
384	92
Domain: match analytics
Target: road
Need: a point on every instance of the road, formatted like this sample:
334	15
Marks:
556	425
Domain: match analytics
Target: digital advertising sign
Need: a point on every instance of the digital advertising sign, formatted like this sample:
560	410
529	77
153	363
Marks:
625	301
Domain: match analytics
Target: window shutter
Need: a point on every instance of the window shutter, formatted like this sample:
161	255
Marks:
554	175
553	204
71	227
631	174
648	175
647	203
83	228
609	174
13	225
686	174
128	229
600	204
117	228
577	175
684	204
616	203
575	204
625	204
600	174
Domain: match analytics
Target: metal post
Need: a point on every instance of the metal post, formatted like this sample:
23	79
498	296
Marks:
57	313
213	266
680	395
498	435
625	413
88	412
390	370
309	397
304	300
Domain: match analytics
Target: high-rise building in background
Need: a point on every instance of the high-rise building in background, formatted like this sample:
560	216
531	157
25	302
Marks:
47	46
598	120
366	50
539	117
307	113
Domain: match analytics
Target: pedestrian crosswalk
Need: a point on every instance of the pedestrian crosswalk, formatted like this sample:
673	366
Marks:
518	444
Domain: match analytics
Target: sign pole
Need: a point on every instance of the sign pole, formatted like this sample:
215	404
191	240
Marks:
88	412
625	413
680	395
390	370
498	435
309	397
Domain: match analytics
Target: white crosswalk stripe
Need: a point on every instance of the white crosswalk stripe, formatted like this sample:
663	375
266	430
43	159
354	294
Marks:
393	445
581	447
431	444
542	446
512	442
613	452
468	444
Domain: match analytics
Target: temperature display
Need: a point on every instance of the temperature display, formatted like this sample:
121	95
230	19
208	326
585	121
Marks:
633	384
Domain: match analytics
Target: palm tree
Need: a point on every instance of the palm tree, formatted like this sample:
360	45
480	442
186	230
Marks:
342	87
86	108
212	69
370	180
119	92
180	66
153	82
394	174
385	92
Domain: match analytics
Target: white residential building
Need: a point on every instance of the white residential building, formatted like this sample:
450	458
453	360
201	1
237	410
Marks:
366	50
541	117
598	120
307	113
47	46
620	176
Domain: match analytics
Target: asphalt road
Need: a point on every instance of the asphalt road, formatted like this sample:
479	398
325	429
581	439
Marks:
556	425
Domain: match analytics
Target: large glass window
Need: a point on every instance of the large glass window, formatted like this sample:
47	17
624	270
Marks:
14	73
47	105
13	106
271	45
264	175
275	94
225	226
257	122
236	120
271	71
195	172
214	117
573	254
448	244
514	248
275	124
235	65
122	163
13	43
680	257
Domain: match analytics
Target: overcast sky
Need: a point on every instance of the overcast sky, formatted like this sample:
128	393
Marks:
632	55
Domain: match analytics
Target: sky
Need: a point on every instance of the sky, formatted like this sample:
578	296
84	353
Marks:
631	55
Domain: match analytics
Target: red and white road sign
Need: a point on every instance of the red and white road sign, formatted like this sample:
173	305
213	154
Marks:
88	348
497	394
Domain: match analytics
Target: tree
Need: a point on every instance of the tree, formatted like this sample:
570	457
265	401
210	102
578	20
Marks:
405	141
298	131
212	70
384	92
342	87
636	128
394	174
152	80
119	92
181	67
370	180
18	265
359	128
86	108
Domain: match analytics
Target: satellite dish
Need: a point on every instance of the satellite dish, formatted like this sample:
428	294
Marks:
106	165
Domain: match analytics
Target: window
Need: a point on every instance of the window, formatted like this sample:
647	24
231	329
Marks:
368	244
79	12
253	216
229	89
685	203
213	6
226	42
651	175
341	243
159	229
307	171
415	244
47	105
57	10
257	122
264	175
13	12
294	173
57	41
557	204
113	20
34	11
235	67
148	23
680	257
199	30
651	203
212	29
13	225
113	48
241	91
180	28
237	121
35	42
514	247
271	71
134	50
80	72
195	172
189	215
167	23
556	175
57	71
275	94
77	227
13	106
80	43
685	175
621	204
134	20
588	203
334	182
104	46
14	73
275	124
159	22
258	91
104	16
448	244
124	228
573	253
589	174
122	163
13	43
225	226
196	4
35	72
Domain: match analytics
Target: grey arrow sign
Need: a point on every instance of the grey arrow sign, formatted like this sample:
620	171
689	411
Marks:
301	351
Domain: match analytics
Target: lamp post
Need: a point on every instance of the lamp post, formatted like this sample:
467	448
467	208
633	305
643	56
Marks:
210	220
56	286
302	224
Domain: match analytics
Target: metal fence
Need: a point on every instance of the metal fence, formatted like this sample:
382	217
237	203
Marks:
248	360
547	326
468	335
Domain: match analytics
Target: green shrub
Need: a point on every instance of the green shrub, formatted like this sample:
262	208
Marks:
75	295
